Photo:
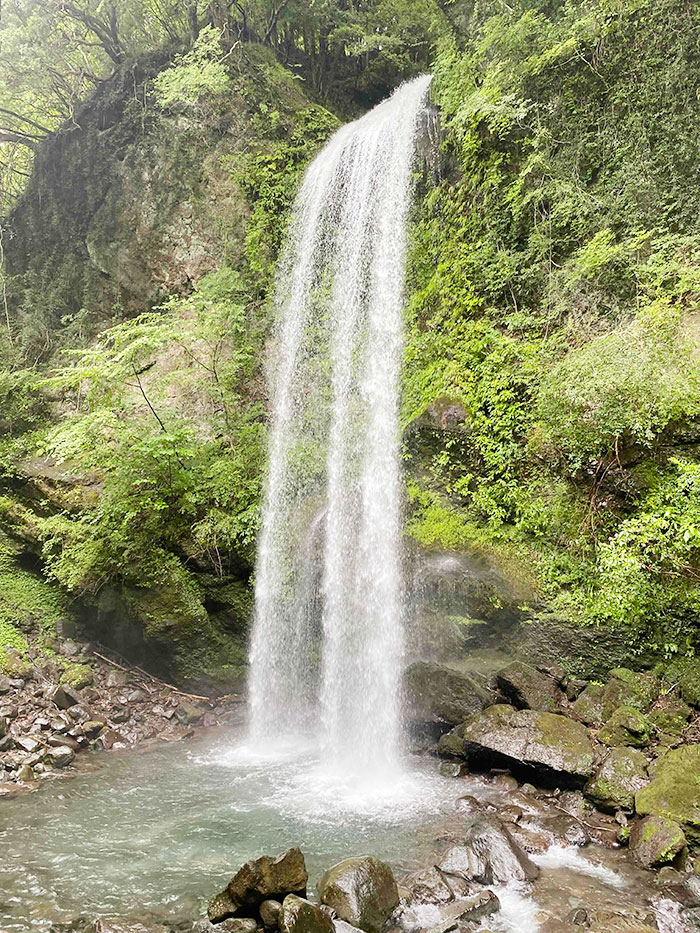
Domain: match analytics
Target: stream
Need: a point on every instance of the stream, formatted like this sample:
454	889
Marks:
154	834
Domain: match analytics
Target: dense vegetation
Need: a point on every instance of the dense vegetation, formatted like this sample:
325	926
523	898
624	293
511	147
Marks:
150	155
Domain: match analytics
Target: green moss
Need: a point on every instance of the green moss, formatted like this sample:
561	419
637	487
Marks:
674	791
78	675
628	688
626	726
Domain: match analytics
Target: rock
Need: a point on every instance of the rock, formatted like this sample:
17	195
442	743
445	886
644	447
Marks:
116	679
670	721
574	688
63	696
29	743
67	741
556	747
112	739
188	712
626	726
4	725
25	774
656	840
119	925
435	693
60	757
453	769
119	716
5	685
6	743
266	877
689	683
237	925
489	855
564	828
527	688
451	744
627	688
463	910
621	774
674	790
301	916
588	708
221	906
362	891
270	914
92	727
468	804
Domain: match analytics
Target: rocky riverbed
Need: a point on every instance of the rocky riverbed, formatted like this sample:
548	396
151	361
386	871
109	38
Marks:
69	700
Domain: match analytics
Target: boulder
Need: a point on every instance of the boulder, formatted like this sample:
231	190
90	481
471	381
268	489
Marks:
270	914
237	925
451	744
621	774
221	906
626	726
670	721
656	840
674	790
301	916
362	891
555	747
628	688
266	877
435	693
527	688
489	855
588	708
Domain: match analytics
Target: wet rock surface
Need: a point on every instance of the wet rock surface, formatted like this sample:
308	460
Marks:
435	693
553	747
361	891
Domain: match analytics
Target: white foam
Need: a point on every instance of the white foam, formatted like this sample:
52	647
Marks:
558	856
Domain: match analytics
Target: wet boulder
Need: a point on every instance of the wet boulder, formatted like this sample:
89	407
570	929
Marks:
628	688
621	774
674	790
451	744
489	855
301	916
626	726
527	688
60	757
362	891
588	707
221	906
267	877
557	749
656	840
435	693
270	913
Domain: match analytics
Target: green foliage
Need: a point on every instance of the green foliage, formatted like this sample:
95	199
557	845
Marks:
199	72
553	289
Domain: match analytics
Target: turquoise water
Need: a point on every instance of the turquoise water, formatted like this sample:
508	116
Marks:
160	831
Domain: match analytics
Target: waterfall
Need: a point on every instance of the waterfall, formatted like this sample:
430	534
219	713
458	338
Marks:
334	450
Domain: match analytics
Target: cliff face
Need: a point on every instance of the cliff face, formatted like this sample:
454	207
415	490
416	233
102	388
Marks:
137	205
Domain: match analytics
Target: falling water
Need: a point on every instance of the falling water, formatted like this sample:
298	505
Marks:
334	449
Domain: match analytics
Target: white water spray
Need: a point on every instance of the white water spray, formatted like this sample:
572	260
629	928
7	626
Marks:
334	450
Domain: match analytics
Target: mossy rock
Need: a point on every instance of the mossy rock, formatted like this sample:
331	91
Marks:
689	684
670	721
451	744
589	705
546	746
528	688
626	726
78	676
435	693
621	774
656	840
674	790
628	688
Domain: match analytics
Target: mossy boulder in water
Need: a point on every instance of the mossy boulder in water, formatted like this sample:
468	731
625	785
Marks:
674	791
528	688
656	840
435	693
362	891
628	688
556	748
626	726
621	774
588	707
301	916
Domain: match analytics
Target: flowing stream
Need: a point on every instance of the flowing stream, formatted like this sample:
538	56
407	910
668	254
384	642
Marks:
334	451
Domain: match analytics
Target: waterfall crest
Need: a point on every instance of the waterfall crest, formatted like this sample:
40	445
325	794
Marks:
329	561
